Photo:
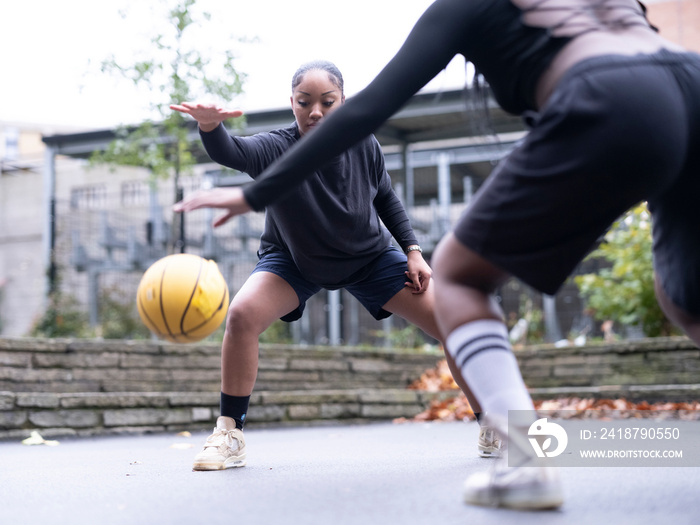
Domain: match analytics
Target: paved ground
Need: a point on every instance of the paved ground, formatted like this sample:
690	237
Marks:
377	474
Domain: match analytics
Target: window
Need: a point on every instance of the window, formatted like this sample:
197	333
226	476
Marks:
88	197
134	193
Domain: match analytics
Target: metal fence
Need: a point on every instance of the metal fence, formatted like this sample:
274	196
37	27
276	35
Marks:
105	241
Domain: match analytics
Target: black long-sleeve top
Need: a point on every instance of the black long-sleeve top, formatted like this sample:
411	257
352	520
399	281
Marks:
493	34
330	223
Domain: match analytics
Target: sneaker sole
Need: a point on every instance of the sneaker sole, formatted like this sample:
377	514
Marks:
232	462
535	501
489	452
538	499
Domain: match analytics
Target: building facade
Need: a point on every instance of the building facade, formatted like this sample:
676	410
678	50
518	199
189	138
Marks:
96	224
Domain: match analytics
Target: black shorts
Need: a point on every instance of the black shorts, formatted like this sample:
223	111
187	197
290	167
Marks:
618	130
382	279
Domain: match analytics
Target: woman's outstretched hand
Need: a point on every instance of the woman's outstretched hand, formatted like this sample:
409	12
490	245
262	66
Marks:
229	199
208	116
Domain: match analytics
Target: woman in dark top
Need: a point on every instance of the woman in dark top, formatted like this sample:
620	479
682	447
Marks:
614	111
327	232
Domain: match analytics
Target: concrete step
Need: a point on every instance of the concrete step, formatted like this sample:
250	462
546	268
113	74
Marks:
636	393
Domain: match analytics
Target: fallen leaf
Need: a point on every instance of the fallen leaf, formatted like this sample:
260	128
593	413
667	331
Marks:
36	439
458	409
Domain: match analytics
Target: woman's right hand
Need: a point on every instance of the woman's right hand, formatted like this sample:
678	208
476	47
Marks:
231	200
208	116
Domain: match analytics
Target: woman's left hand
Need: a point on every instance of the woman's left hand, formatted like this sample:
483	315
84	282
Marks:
419	273
229	199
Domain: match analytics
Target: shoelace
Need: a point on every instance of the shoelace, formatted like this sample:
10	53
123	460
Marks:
215	439
491	438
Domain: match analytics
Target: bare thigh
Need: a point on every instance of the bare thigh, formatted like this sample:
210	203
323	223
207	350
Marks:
263	298
690	323
464	285
417	309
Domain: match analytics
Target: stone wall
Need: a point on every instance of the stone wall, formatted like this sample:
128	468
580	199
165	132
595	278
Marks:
664	368
96	413
80	387
66	366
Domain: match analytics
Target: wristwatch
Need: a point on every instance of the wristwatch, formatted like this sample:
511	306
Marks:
414	248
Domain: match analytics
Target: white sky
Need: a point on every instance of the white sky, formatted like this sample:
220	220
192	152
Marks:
50	51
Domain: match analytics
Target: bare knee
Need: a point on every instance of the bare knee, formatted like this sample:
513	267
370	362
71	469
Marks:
465	284
455	264
245	319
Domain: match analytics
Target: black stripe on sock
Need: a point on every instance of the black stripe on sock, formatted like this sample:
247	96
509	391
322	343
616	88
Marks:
468	349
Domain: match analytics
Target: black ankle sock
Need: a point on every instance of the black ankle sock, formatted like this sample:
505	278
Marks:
235	407
477	415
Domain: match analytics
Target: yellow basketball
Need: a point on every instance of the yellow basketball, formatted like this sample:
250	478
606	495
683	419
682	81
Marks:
182	298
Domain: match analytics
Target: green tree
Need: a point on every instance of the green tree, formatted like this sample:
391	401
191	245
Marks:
173	71
623	291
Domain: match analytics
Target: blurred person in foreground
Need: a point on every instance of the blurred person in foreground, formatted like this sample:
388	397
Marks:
614	116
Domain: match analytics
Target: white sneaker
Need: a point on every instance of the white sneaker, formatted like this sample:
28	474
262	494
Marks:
526	488
489	444
225	448
523	487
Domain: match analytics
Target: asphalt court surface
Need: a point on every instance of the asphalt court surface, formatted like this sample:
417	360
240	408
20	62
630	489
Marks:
408	473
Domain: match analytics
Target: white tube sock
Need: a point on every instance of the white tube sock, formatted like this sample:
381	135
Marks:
483	353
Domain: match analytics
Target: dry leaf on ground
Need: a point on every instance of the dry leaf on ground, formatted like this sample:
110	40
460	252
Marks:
458	409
